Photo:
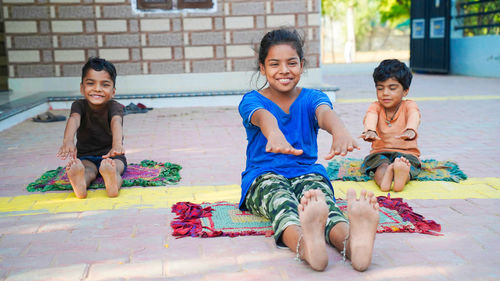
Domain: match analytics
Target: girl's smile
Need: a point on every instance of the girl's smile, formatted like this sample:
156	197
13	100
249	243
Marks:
282	68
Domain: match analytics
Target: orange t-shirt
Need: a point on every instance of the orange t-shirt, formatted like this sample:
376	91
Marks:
387	134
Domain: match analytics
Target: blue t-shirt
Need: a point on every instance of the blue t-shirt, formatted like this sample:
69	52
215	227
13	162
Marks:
300	128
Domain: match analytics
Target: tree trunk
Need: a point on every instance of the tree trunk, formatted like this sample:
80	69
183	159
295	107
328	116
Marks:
350	45
332	30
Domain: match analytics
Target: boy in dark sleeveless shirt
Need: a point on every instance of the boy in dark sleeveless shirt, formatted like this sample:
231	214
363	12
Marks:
97	121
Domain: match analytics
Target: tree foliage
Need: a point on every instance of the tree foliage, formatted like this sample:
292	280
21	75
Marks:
394	12
391	11
365	14
368	14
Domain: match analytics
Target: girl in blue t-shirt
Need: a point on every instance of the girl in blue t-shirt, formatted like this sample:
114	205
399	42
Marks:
282	180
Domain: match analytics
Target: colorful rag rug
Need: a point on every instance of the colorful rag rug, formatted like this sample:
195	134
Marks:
225	219
348	169
146	173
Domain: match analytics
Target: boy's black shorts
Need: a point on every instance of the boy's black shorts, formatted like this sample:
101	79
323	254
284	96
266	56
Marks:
98	159
373	161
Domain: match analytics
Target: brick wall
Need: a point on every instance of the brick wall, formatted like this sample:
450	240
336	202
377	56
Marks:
53	38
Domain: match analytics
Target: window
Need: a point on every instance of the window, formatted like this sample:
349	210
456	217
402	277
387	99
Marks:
478	17
154	4
159	6
195	4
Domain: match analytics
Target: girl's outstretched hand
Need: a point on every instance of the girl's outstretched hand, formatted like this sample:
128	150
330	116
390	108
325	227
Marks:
341	145
277	143
67	150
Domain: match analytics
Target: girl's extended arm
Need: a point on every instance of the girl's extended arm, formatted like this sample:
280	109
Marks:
117	132
276	141
68	148
330	122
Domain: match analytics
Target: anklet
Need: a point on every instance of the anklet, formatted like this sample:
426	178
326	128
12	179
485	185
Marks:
297	256
343	252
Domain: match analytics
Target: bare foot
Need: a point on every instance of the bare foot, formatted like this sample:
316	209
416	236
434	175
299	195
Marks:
313	213
363	216
76	176
401	173
307	196
110	176
386	183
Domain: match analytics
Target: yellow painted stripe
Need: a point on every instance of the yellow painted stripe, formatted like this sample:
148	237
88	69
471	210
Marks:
163	197
471	188
138	197
444	98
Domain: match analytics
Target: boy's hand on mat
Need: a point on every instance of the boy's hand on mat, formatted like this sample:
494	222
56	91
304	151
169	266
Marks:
115	150
369	135
67	150
341	145
277	143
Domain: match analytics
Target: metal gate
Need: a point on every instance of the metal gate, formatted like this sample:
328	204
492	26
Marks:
430	36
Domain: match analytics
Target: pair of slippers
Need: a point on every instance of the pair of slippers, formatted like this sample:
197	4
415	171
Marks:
48	117
135	108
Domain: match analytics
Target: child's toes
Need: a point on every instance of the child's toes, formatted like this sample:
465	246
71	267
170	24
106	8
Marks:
306	197
351	195
362	194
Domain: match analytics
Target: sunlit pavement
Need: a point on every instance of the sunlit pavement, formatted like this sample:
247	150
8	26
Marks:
54	236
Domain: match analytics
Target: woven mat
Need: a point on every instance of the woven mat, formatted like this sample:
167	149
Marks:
225	219
146	173
348	169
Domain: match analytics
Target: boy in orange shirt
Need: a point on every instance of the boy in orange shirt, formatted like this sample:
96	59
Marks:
390	124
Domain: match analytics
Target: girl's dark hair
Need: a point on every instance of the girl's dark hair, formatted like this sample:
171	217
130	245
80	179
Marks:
99	64
393	68
281	36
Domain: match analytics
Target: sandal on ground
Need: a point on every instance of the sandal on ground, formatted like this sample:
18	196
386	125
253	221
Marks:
140	105
48	117
133	108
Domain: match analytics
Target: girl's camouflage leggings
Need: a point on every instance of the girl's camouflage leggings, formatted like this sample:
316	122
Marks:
277	198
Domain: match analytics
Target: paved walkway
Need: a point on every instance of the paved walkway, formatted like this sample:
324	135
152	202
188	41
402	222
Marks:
54	236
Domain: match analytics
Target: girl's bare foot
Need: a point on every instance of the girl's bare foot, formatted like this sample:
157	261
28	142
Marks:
363	214
110	176
401	173
313	213
386	183
306	197
76	176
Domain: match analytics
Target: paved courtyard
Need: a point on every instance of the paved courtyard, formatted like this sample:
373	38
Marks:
129	237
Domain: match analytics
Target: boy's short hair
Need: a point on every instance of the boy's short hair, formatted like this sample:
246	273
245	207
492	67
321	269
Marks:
99	64
393	68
